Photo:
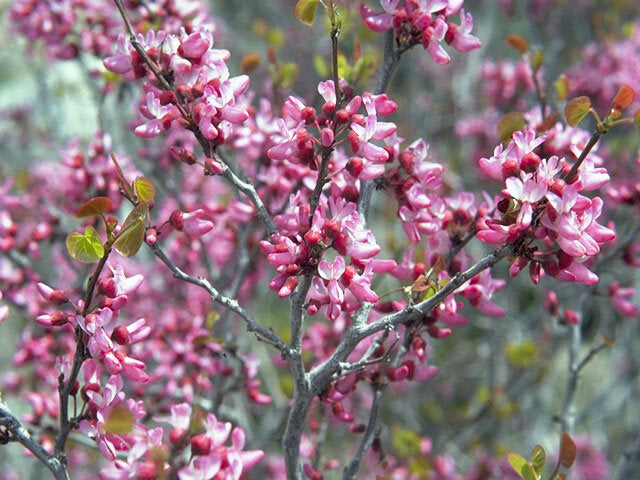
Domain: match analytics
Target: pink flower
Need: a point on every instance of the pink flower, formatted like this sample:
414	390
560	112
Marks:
331	273
160	117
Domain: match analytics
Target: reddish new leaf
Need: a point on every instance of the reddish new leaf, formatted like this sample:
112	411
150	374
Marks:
568	451
623	98
518	43
576	110
95	206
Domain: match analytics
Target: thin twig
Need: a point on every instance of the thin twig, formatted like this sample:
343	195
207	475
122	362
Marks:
264	334
372	431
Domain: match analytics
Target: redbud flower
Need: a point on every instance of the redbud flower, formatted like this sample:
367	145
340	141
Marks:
191	223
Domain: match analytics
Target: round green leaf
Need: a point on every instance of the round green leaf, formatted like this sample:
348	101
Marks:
85	248
521	466
93	207
511	122
576	110
305	11
145	190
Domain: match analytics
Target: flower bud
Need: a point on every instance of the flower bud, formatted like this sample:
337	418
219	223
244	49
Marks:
120	335
201	444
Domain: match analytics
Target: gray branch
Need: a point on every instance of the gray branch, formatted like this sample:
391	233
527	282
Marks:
18	433
264	334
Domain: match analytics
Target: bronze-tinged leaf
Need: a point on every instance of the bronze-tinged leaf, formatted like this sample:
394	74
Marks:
250	62
131	235
576	110
305	11
509	123
518	43
549	122
95	206
636	118
623	98
568	451
145	190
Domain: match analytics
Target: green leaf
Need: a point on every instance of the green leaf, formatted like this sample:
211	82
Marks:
523	354
145	190
85	248
93	207
537	459
321	67
509	123
636	118
405	442
305	11
536	58
562	87
568	451
287	75
521	466
518	43
576	110
131	235
119	421
623	98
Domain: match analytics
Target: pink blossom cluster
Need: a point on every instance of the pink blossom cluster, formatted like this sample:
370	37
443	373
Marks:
425	22
604	67
202	90
541	204
68	27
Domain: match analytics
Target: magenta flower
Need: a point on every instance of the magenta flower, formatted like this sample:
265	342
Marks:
160	117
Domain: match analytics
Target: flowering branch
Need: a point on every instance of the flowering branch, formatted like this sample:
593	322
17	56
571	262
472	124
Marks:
65	385
245	186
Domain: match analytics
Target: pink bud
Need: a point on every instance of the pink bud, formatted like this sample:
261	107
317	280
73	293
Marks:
327	137
59	297
151	236
107	286
120	335
176	220
201	444
571	317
